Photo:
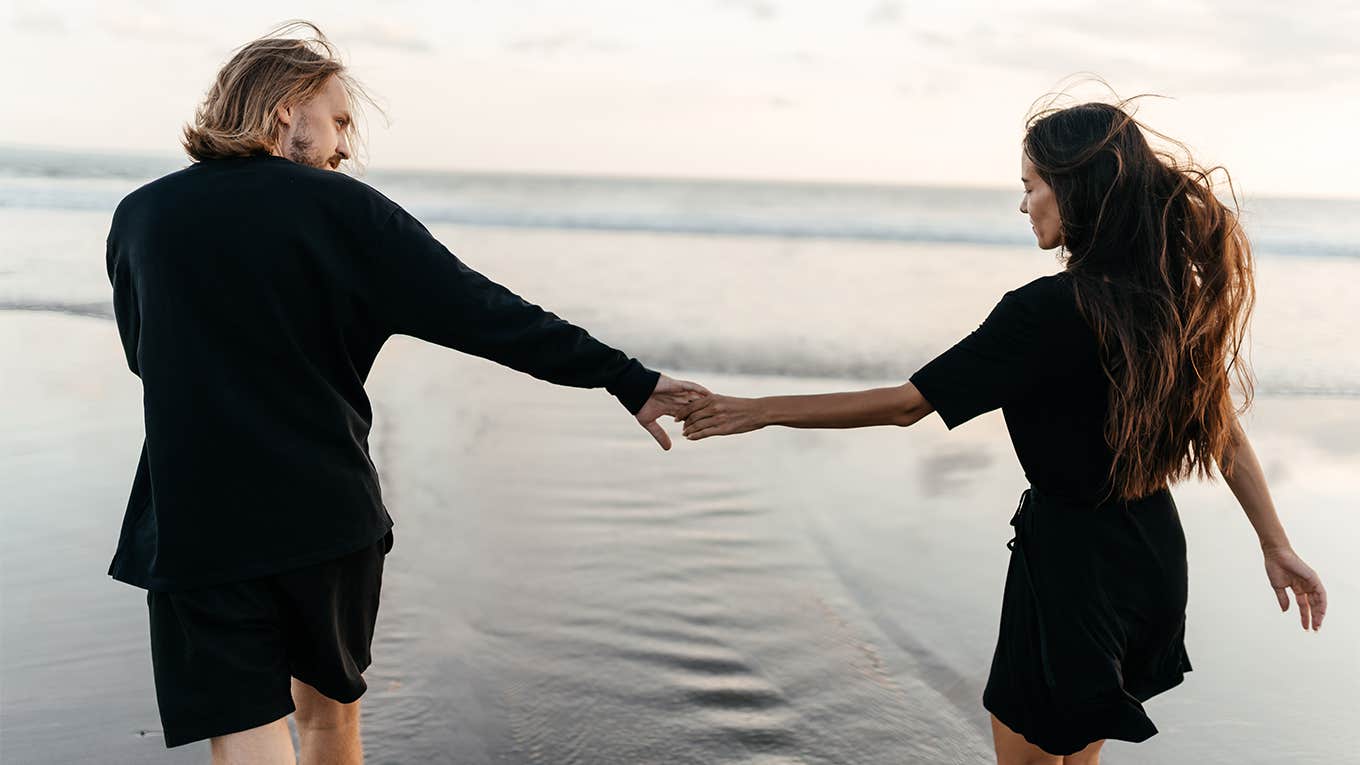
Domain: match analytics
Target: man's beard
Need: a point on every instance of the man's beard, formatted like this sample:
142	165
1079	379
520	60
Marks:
301	150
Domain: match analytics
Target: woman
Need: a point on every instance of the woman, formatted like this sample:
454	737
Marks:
1113	376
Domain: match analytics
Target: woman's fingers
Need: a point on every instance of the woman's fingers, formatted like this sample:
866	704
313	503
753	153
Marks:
1317	598
713	426
692	429
685	413
1301	597
700	417
1287	572
677	405
683	398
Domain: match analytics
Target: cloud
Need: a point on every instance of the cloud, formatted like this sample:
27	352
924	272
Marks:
34	18
148	22
804	60
564	42
151	22
1208	46
145	26
383	33
763	10
933	39
885	12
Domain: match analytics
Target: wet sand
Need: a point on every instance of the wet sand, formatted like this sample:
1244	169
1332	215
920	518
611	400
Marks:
561	591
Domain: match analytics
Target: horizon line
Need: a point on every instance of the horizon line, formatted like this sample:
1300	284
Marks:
641	176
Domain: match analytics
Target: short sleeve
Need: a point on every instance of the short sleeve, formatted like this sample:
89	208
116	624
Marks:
1001	362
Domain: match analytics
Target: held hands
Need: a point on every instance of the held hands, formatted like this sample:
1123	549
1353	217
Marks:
704	413
670	396
1287	571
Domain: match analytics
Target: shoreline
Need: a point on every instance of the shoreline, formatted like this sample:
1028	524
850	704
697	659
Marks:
874	376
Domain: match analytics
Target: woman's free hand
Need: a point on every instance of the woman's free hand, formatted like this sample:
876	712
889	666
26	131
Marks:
1287	571
716	415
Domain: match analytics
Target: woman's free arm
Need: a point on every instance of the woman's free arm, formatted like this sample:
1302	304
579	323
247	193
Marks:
1285	570
1243	474
715	415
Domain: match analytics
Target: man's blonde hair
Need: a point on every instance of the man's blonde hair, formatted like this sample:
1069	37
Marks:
239	116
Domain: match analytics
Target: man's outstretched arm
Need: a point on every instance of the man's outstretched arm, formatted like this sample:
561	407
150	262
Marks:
421	289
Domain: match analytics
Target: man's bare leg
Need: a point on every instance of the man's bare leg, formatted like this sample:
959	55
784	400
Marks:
328	731
269	744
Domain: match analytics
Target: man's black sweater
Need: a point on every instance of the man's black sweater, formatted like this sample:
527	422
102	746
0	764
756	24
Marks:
252	296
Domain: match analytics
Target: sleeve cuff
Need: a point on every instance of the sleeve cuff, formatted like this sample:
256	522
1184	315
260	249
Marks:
634	386
942	404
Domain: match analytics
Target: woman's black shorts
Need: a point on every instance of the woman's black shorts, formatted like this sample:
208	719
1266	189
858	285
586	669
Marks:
223	656
1092	620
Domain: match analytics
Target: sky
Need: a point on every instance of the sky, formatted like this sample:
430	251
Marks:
879	91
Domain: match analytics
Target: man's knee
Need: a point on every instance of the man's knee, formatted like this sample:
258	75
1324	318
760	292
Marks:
316	711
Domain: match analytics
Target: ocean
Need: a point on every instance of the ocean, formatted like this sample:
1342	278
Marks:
790	272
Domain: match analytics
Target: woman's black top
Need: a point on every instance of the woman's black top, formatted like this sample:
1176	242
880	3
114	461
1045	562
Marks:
252	296
1037	360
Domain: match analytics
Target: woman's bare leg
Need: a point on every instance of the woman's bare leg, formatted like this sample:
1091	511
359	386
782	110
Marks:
1088	756
1013	749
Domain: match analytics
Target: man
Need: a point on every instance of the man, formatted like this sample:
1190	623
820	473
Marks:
253	291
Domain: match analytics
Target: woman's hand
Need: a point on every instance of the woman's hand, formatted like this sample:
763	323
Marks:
1287	571
716	415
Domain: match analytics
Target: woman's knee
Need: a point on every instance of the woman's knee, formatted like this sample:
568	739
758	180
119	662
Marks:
1027	758
1013	749
1088	756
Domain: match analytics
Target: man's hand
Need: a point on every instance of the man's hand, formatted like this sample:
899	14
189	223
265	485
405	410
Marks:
1287	571
669	397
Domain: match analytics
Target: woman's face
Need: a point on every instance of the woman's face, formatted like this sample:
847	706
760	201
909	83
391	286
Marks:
1041	205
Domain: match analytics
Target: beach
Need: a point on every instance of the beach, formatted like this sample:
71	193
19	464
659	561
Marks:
561	591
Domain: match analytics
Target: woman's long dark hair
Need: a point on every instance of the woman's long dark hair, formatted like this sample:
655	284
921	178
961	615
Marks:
1163	274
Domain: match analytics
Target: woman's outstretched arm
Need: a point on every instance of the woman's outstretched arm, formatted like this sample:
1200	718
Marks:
1284	568
725	415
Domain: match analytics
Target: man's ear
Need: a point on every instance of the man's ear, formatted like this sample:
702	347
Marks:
285	115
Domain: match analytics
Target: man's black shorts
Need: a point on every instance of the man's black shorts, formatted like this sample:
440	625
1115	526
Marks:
223	656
